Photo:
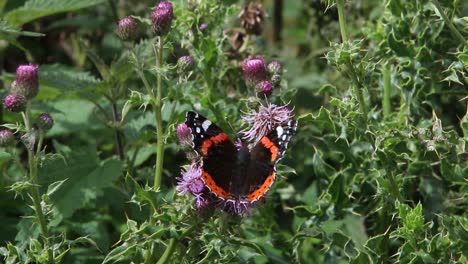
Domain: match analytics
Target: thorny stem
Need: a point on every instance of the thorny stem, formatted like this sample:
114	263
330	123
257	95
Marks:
387	87
32	162
449	22
158	115
358	87
118	133
171	246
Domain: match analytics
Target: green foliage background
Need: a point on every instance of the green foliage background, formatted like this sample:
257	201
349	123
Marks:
383	185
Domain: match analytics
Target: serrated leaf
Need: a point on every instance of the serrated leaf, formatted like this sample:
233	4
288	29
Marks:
86	175
34	9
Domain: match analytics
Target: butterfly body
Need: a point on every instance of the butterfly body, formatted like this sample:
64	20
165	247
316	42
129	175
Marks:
240	175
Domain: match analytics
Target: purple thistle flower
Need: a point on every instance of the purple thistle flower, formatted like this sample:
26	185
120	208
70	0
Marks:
14	102
184	134
239	144
203	26
201	201
191	181
267	118
162	18
264	88
274	67
254	70
6	137
27	81
127	28
45	121
185	64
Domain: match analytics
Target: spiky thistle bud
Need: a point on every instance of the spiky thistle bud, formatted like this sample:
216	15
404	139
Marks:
14	102
27	81
275	67
45	121
264	88
185	64
184	134
127	28
254	70
162	18
6	137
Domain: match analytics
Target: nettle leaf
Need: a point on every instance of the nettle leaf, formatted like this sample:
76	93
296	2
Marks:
34	9
7	31
66	78
85	177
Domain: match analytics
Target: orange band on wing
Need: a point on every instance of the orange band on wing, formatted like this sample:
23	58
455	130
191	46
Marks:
266	142
257	194
211	184
212	140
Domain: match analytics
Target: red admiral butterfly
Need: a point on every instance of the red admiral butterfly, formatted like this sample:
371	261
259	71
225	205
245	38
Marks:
240	176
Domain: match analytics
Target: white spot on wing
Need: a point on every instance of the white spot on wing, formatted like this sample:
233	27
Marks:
198	130
280	131
206	124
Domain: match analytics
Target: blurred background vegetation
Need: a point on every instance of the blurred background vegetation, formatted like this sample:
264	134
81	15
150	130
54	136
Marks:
385	185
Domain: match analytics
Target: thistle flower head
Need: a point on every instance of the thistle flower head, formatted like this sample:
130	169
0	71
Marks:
14	102
127	28
45	121
203	26
185	64
27	81
184	134
264	88
162	18
268	117
252	17
274	67
254	70
191	181
6	137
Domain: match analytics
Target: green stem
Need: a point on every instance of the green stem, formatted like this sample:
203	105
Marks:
394	187
36	198
387	87
168	252
158	115
449	22
358	87
342	20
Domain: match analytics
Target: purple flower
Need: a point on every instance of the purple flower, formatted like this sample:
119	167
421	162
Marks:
184	134
14	102
191	181
274	67
127	28
162	18
203	26
185	64
6	137
239	144
27	81
45	121
267	118
254	70
264	88
201	201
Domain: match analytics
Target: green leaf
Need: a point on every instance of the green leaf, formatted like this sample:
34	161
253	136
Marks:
8	30
4	156
34	9
85	176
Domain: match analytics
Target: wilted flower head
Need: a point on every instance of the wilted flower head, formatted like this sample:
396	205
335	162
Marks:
267	118
191	181
127	28
14	102
274	67
254	70
185	64
6	137
27	81
45	121
162	18
184	134
264	88
252	17
276	79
